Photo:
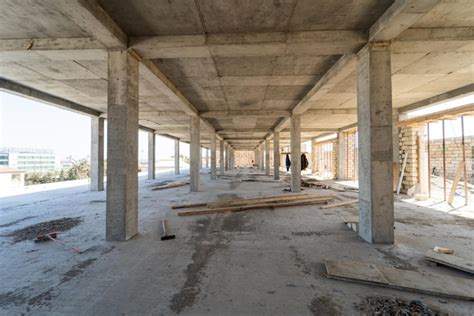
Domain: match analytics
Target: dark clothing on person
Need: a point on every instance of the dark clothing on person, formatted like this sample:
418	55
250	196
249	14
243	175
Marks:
288	163
304	162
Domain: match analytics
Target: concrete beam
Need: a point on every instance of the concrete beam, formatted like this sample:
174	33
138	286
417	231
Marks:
50	44
328	42
90	17
325	112
24	91
456	93
246	113
399	17
122	147
436	34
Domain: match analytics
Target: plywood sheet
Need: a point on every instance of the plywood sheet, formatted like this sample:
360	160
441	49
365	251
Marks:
464	264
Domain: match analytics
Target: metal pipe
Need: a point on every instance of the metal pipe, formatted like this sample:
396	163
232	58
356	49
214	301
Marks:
464	161
444	162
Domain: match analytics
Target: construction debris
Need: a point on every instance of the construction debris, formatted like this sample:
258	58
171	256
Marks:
420	282
165	236
255	206
381	305
53	236
170	185
443	250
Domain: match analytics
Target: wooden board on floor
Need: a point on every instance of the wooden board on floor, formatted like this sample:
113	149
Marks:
420	282
343	203
260	200
254	207
170	185
452	261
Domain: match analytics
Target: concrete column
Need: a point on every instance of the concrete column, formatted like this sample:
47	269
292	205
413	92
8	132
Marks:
207	158
262	157
374	116
226	162
151	156
276	156
122	146
200	157
341	156
97	154
267	157
257	158
295	134
213	157
221	157
176	156
195	151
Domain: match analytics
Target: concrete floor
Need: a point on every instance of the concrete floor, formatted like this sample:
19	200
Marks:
265	262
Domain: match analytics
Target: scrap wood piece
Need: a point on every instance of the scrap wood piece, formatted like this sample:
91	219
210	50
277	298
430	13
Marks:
276	199
452	261
170	185
457	177
420	282
254	207
245	199
350	219
343	203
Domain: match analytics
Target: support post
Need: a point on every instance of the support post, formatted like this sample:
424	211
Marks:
342	163
176	156
276	156
226	162
151	156
195	151
295	134
221	157
122	146
207	158
213	157
374	116
267	157
97	154
262	157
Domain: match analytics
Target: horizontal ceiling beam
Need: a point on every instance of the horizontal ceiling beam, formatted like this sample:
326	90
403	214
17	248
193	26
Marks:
325	112
24	91
329	42
77	43
248	113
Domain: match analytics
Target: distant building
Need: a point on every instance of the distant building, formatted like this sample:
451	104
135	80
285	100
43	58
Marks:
10	178
66	163
28	159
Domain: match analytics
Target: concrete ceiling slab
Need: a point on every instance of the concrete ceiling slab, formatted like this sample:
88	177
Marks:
452	13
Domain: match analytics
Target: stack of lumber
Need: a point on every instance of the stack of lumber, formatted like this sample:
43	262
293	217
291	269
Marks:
239	205
170	185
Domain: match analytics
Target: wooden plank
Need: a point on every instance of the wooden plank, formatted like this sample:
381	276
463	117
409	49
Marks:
253	207
455	182
170	185
228	203
452	261
247	199
340	204
420	282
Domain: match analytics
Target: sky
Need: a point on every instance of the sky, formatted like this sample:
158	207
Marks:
32	124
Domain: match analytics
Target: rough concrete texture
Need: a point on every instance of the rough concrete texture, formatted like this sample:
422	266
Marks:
97	154
374	106
122	148
295	153
195	154
263	262
151	156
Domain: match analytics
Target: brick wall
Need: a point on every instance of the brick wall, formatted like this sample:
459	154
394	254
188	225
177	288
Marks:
409	145
244	158
453	156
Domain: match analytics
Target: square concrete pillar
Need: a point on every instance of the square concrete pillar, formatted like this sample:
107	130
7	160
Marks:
262	157
295	135
374	115
213	157
195	154
267	157
226	162
276	156
221	157
151	156
207	158
200	157
122	146
257	158
97	154
176	156
341	144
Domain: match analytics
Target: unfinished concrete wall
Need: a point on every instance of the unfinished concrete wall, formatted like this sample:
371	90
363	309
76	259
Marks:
244	158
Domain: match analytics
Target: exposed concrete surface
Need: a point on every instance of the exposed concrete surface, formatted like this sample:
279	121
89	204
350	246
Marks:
262	262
